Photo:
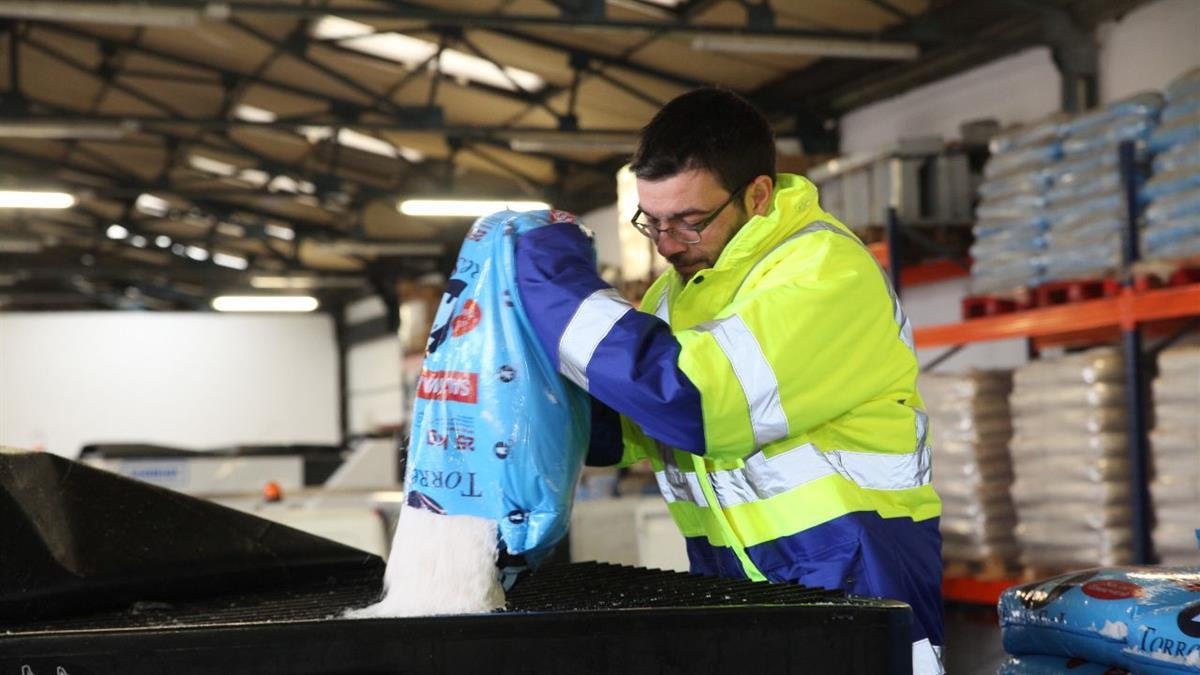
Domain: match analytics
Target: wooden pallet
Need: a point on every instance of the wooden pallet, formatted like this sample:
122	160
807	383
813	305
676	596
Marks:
1074	290
1055	293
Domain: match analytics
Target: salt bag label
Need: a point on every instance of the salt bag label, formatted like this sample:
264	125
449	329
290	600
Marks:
497	433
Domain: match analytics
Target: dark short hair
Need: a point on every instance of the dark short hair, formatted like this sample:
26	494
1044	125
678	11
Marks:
708	128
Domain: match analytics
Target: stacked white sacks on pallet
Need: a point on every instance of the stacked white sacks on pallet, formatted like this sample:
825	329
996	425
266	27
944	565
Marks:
1086	202
1172	218
1175	455
1010	220
1069	452
969	421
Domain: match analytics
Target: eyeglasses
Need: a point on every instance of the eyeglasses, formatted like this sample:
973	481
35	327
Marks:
684	233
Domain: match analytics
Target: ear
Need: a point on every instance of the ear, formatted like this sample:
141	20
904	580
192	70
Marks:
758	195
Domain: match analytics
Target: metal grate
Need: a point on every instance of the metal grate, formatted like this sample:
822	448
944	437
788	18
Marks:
578	586
653	622
598	586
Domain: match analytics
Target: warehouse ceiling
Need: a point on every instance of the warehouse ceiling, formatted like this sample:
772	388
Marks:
217	146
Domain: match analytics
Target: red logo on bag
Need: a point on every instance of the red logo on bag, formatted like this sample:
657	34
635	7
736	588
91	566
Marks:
448	385
467	319
1112	589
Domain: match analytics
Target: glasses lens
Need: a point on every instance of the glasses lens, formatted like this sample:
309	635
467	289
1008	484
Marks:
684	235
646	230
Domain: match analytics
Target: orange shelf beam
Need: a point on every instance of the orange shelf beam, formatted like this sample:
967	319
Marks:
975	591
1070	320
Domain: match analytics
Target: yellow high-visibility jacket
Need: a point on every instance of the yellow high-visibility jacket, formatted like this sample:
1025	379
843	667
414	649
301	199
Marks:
775	396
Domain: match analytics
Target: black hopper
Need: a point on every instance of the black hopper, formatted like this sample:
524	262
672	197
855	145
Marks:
76	540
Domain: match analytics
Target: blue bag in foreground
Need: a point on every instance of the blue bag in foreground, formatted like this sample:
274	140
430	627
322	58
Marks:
497	443
1142	619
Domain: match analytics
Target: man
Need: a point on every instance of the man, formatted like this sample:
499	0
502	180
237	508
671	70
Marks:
770	378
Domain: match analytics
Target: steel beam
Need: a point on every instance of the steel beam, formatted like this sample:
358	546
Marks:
587	21
151	124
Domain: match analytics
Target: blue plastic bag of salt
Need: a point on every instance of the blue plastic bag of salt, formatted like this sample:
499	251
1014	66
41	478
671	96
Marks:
497	433
1143	619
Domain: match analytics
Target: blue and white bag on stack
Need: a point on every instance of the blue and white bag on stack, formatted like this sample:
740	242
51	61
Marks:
1172	220
1142	619
1086	205
1011	216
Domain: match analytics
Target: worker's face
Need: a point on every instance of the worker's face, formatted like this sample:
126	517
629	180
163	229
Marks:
688	198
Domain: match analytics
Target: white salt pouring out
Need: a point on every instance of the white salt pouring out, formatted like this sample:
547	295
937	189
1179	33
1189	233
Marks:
439	564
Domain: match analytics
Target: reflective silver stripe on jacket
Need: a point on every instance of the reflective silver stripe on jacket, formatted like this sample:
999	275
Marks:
765	477
676	485
767	417
592	321
927	658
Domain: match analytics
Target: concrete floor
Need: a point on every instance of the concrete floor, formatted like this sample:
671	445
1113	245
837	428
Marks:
972	640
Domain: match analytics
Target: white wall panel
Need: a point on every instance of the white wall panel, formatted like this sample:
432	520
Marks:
1018	88
190	380
1148	47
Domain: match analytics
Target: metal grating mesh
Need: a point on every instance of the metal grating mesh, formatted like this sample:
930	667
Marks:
578	586
594	585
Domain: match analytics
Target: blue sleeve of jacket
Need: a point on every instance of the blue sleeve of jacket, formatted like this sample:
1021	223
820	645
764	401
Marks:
624	358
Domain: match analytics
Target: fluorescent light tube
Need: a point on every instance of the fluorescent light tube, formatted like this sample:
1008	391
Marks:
117	13
151	205
19	199
299	283
465	208
565	142
848	49
280	232
378	248
231	261
360	141
278	283
283	183
254	114
196	253
210	165
51	130
255	177
337	28
265	303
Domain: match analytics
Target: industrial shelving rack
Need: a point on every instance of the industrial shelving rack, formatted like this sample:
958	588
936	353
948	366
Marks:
1122	317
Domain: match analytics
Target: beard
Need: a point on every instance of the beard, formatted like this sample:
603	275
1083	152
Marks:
687	265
